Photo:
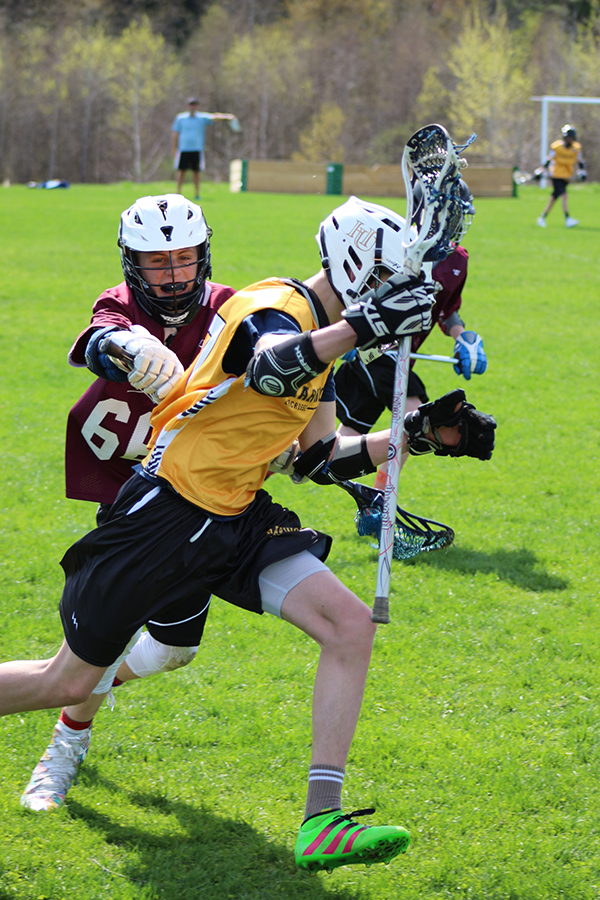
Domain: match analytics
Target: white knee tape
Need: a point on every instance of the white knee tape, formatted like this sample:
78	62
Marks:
104	686
149	657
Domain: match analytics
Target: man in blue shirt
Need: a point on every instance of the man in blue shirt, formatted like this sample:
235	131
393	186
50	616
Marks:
189	129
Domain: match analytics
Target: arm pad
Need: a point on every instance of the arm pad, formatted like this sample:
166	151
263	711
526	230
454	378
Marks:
350	460
281	370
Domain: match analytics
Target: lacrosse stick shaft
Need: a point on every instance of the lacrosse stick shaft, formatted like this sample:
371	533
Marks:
432	357
381	607
430	151
117	354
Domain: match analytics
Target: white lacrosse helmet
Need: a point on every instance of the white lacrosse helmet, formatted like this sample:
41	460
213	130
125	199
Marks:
165	223
355	241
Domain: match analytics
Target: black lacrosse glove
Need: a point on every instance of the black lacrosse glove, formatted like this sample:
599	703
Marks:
476	428
399	307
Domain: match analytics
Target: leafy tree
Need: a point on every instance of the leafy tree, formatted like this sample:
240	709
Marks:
320	142
266	78
147	73
89	69
487	89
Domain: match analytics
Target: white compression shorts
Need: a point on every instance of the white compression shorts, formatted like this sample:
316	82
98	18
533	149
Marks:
277	580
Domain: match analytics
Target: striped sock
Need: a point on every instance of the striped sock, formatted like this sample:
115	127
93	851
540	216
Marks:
324	789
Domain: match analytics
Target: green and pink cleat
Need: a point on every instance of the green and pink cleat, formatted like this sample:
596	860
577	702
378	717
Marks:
330	839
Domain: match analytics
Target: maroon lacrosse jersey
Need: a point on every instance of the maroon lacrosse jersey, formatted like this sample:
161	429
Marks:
109	426
451	273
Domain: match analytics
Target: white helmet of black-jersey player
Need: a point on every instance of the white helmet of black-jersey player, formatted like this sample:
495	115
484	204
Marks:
357	242
165	223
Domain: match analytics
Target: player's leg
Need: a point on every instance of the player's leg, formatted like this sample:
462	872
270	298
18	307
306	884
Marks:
556	193
64	680
69	745
322	607
198	169
569	221
57	768
45	683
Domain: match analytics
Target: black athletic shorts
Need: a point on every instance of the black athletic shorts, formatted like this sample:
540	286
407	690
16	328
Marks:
157	560
559	187
189	160
363	393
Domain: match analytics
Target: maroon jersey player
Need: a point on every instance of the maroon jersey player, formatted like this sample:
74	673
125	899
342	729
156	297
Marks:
159	315
108	427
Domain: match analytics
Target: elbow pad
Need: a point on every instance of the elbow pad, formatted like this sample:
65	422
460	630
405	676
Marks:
350	460
280	371
100	363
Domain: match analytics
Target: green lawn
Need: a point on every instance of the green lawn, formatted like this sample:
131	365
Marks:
480	729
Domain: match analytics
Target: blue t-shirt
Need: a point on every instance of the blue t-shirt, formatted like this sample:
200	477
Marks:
191	130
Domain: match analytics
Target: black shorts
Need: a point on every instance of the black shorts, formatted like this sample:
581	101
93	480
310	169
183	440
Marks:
157	560
363	393
559	187
189	160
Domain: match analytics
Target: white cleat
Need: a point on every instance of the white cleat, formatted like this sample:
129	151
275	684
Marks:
57	768
542	222
571	223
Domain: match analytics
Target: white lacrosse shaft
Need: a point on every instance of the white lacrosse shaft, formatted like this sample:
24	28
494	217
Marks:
381	612
433	358
415	249
381	607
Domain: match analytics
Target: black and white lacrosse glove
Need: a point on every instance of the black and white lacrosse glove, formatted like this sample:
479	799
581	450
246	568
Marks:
155	368
399	307
476	428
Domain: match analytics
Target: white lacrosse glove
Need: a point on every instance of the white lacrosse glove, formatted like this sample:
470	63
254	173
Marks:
156	369
284	463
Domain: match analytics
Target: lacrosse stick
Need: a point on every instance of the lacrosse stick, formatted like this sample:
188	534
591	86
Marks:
430	158
412	534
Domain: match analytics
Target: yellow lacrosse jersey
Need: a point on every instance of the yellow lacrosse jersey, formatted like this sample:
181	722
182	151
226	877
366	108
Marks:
563	161
213	438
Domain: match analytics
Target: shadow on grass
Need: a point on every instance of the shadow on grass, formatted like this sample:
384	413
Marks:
204	854
519	567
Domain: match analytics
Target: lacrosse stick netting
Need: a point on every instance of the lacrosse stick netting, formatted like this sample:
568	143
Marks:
412	535
431	159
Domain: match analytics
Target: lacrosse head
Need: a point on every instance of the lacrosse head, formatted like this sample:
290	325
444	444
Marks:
431	161
463	223
359	242
165	224
412	534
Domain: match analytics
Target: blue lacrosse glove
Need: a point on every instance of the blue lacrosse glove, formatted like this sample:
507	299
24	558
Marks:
470	355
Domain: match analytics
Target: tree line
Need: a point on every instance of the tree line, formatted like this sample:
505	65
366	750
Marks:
88	91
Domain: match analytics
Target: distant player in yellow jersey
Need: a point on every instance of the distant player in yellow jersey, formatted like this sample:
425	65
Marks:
564	155
196	521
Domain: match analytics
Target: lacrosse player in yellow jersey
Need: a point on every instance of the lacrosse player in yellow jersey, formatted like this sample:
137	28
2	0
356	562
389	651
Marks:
196	521
564	155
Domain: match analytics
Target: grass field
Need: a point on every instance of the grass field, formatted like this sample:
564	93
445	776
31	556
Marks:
480	729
